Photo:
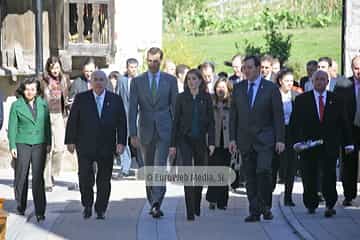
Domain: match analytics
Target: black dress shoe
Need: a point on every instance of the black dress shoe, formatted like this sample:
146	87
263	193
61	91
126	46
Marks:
156	213
40	218
311	210
252	218
221	207
212	206
20	211
87	212
191	218
267	215
329	212
100	216
289	203
197	212
347	203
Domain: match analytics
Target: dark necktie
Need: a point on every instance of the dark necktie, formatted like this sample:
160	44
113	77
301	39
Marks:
153	85
321	108
251	93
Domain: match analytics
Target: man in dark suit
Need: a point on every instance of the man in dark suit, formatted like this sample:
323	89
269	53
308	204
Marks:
97	129
153	96
320	114
256	129
349	90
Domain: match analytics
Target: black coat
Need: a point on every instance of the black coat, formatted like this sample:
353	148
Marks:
307	125
182	123
345	89
92	134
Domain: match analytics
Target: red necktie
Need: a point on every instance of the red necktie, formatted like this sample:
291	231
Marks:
321	108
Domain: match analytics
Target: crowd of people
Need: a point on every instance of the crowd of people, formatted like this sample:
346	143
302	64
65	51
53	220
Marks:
258	121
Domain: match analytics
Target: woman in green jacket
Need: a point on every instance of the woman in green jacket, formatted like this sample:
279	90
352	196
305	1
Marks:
29	136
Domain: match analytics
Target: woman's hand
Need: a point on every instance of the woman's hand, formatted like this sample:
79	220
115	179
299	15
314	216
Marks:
211	149
172	152
13	153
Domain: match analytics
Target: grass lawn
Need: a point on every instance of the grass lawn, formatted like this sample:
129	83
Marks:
310	43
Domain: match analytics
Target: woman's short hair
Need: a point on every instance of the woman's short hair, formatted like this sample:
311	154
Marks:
114	74
197	72
29	80
284	71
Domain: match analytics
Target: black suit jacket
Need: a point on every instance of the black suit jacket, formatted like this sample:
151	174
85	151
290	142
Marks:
92	134
182	123
307	125
345	89
262	125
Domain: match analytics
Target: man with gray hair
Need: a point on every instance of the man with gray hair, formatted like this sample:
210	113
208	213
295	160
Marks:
97	128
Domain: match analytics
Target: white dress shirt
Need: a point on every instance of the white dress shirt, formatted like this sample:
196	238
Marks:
287	105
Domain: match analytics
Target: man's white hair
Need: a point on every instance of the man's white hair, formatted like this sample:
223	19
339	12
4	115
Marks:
100	74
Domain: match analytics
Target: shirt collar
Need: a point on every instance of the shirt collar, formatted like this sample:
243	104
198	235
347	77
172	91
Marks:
256	82
102	95
150	74
317	94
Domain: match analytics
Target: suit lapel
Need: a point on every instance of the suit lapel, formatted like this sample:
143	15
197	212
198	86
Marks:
106	104
314	107
329	102
93	103
147	88
26	111
259	93
159	88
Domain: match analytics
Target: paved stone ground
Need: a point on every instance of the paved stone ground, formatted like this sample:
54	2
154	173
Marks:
344	225
127	217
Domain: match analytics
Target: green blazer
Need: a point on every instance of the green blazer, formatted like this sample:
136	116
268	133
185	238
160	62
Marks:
23	128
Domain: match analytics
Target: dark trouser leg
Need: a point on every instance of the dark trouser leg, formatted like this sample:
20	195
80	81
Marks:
290	172
289	160
148	152
189	200
349	174
275	169
103	183
249	160
264	177
329	180
309	173
86	180
38	158
155	154
219	194
22	165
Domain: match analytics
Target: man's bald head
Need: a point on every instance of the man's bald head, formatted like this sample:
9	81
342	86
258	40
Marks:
320	80
98	81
